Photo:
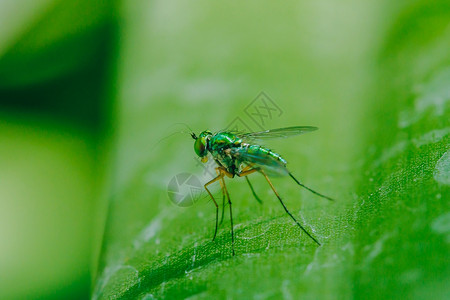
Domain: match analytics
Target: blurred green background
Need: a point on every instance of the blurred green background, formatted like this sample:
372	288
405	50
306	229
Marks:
89	91
57	62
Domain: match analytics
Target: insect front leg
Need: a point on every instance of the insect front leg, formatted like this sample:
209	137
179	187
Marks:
223	197
223	171
214	200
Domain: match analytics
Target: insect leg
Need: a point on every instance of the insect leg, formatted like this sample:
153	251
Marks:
231	211
247	172
309	189
244	173
285	208
215	203
223	197
253	191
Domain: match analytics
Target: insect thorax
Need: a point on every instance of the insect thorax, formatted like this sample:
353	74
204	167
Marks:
219	146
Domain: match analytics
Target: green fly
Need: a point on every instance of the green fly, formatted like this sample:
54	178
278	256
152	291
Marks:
238	154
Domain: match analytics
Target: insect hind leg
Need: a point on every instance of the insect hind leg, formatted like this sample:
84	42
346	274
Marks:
287	211
309	189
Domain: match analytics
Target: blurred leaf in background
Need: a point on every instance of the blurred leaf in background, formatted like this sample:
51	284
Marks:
373	76
55	65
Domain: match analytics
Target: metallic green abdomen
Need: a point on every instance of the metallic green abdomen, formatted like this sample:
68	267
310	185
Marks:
264	152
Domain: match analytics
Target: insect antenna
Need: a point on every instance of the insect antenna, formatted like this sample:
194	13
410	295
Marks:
164	138
189	128
191	133
309	189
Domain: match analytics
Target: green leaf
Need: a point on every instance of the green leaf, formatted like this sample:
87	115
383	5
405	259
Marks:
382	106
54	61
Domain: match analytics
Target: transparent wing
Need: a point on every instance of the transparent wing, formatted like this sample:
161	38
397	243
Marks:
277	133
268	164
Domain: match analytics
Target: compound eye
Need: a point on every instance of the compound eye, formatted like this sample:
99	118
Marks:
200	146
